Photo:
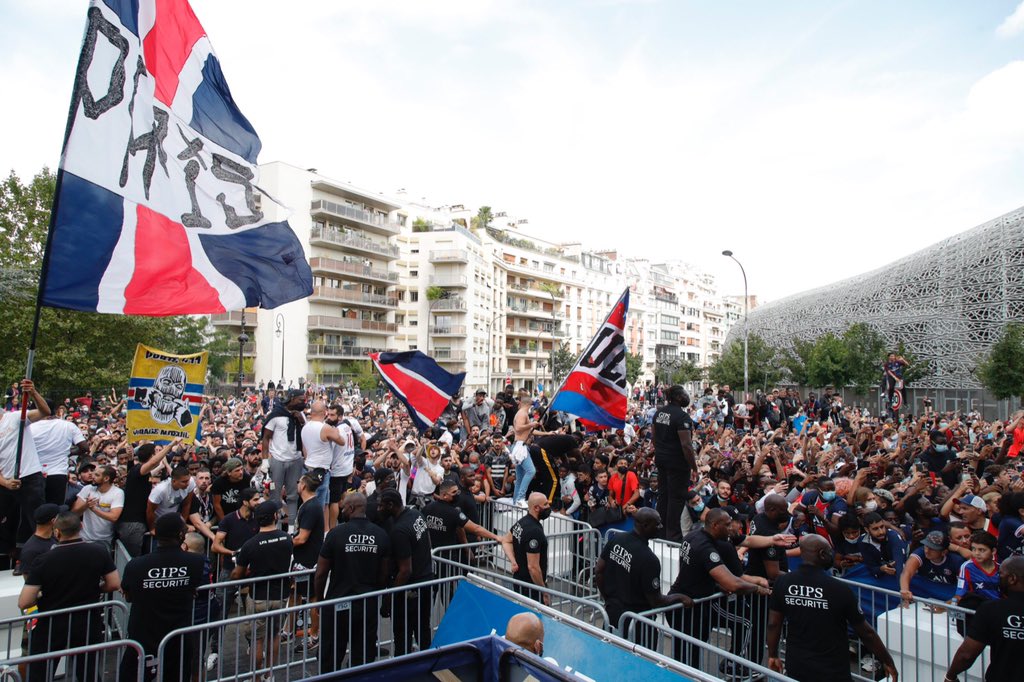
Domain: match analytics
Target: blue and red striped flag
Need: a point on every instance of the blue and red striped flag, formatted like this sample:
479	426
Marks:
419	382
595	390
157	210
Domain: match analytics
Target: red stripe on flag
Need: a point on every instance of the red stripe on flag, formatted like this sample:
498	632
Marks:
606	397
169	43
164	282
422	397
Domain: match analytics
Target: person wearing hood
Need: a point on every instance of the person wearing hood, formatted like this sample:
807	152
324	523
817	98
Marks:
940	459
282	447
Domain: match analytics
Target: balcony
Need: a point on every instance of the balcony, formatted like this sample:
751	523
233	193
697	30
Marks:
351	324
333	238
534	331
449	256
536	292
448	330
355	298
352	271
453	303
521	350
533	310
448	355
234	319
371	222
317	350
460	281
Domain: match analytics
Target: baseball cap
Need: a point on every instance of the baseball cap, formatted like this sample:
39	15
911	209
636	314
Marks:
936	540
230	465
973	501
48	512
295	393
265	511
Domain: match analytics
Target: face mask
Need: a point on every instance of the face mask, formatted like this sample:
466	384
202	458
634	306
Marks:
828	495
943	425
623	470
545	513
871	505
699	508
724	498
941	448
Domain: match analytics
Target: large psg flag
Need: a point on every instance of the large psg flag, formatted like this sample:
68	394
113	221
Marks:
423	386
158	210
595	389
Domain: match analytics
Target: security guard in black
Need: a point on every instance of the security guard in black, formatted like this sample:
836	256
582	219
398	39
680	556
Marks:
674	458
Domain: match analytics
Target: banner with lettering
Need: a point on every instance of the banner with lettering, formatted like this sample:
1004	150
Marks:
165	395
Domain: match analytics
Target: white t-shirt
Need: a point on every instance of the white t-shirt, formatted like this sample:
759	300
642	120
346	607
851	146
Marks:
9	447
281	448
423	484
94	528
318	452
167	499
54	439
343	459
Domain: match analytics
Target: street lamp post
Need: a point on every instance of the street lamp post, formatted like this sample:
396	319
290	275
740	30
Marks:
243	339
490	344
746	302
279	333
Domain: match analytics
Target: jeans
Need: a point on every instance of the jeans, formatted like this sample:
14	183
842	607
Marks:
19	506
286	475
525	471
323	491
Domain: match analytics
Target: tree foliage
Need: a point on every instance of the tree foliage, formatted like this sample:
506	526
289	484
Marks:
634	366
827	364
865	352
563	362
794	360
75	350
765	369
1002	371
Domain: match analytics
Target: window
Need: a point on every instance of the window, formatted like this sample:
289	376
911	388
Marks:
414	273
414	296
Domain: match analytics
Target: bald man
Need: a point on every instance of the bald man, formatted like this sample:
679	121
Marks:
998	624
526	547
317	437
526	630
818	610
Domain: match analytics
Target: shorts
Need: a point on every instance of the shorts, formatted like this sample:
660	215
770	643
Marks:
520	452
259	626
336	488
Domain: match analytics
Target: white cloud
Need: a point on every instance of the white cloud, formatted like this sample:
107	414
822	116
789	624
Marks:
1013	24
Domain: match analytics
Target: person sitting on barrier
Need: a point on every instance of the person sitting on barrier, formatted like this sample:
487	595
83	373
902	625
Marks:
702	572
526	547
998	624
629	573
883	549
161	587
818	609
932	561
526	630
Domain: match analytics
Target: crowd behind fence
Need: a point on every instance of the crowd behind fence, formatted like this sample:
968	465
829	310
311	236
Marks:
713	636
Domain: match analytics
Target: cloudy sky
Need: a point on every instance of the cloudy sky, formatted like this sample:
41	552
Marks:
816	139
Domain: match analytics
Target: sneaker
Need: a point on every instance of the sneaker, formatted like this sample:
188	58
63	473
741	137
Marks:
309	644
521	504
211	662
287	637
869	664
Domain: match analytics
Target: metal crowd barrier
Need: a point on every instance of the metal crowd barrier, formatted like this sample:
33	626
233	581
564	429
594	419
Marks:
373	626
451	562
92	662
63	629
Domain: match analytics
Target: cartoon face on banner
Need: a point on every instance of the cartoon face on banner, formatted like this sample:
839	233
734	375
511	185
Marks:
165	395
166	398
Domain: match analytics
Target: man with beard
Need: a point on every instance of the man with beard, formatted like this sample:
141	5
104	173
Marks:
447	524
383	479
675	459
282	447
132	524
413	565
55	439
526	547
200	514
768	563
226	490
342	463
235	530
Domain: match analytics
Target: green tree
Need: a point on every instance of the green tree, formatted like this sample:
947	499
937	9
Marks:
634	365
24	220
687	372
435	293
420	225
828	362
1002	370
483	218
563	362
865	352
795	360
916	369
765	369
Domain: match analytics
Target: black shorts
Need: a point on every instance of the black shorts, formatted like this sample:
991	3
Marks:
336	488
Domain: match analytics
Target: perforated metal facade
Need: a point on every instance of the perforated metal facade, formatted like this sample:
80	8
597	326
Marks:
948	303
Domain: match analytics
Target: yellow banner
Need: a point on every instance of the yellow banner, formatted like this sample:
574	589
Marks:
165	395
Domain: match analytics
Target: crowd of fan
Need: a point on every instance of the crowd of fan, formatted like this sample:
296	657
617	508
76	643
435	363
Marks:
937	495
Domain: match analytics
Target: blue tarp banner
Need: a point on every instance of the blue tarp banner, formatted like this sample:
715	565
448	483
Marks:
475	612
875	603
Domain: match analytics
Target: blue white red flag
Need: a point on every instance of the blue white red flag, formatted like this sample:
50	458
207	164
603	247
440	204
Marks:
419	382
157	209
595	389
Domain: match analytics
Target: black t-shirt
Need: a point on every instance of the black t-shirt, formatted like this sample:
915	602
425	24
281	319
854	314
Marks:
237	531
669	420
443	520
699	554
631	572
762	525
528	538
356	549
467	504
557	447
310	517
1000	625
162	589
136	491
230	491
730	557
34	547
818	610
268	553
371	507
70	574
410	540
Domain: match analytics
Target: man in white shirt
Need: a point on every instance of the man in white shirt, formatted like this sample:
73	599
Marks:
55	439
318	437
22	491
100	505
172	495
282	448
342	462
424	467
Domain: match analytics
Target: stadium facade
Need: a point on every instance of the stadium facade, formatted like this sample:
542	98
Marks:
947	303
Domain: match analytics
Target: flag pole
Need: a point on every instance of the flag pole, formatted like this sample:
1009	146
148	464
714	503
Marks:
585	349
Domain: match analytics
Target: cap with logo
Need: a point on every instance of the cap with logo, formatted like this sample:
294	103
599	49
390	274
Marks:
936	540
973	501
